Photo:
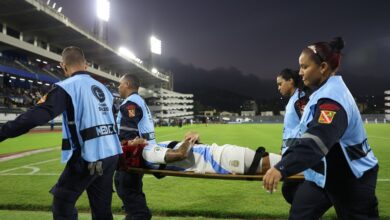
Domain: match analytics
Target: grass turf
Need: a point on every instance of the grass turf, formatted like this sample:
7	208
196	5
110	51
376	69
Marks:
174	196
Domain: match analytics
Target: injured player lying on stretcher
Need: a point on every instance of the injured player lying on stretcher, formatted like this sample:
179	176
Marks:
191	155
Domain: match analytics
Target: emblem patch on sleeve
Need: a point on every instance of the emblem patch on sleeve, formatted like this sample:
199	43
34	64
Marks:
326	116
42	99
131	110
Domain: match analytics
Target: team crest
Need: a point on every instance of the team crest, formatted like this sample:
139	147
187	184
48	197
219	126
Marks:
234	163
326	117
42	99
131	110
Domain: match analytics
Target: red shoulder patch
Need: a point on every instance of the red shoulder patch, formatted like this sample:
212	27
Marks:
42	99
131	110
330	107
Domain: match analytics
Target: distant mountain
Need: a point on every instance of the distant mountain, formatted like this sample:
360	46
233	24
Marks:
228	88
221	88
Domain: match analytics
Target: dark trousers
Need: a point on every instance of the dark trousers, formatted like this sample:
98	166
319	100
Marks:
129	189
289	188
74	180
352	198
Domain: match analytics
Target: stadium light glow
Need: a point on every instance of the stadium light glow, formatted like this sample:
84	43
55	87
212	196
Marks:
45	62
155	45
126	53
13	77
40	83
38	60
21	79
48	2
54	5
59	10
47	84
30	81
103	9
154	70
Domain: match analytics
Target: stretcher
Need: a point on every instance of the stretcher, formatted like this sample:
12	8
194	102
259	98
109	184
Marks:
162	173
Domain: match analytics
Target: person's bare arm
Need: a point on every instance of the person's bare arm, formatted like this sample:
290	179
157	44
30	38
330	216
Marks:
180	153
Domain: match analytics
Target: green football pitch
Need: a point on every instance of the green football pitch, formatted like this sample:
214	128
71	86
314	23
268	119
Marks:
25	181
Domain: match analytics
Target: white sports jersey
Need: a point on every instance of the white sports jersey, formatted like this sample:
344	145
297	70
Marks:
202	158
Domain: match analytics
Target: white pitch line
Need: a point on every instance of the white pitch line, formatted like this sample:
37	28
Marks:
30	174
28	153
386	138
34	169
28	166
43	174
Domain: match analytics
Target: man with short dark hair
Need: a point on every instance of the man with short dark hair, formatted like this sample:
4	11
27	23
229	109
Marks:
134	120
90	145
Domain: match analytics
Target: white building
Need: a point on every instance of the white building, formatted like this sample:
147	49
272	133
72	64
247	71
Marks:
248	113
166	104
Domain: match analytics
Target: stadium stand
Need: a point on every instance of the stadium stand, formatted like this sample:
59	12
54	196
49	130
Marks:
30	54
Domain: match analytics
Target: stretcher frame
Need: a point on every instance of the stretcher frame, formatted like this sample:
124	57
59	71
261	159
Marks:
205	175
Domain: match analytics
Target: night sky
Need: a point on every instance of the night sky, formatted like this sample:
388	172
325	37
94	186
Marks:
257	37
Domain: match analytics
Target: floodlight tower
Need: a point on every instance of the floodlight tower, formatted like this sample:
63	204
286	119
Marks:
103	16
155	50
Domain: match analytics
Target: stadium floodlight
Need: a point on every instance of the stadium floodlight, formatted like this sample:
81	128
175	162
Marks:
40	83
126	53
54	5
48	2
103	9
59	10
38	60
58	67
30	81
45	62
155	45
21	79
47	84
13	77
154	70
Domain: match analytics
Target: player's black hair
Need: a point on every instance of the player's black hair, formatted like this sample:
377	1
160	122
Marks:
288	74
134	81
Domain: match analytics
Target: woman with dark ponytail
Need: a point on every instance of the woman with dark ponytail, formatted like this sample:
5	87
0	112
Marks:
290	85
331	146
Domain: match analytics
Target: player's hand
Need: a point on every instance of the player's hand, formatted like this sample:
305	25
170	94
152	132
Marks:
192	137
137	141
271	179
